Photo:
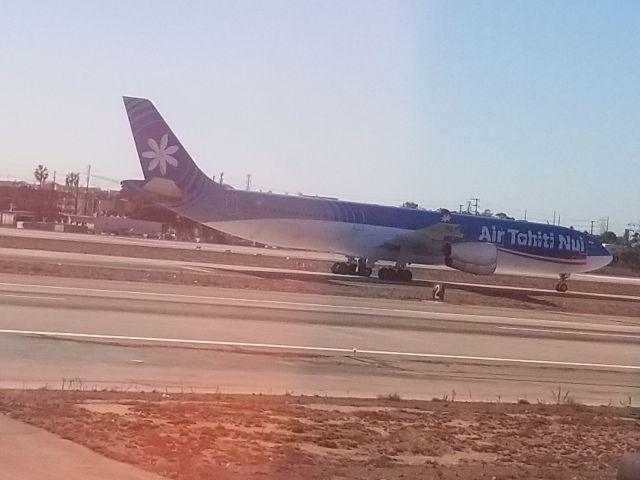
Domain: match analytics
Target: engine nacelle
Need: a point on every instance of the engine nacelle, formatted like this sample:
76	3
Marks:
479	258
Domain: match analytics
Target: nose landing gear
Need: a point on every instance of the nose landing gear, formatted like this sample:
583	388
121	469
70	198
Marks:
562	286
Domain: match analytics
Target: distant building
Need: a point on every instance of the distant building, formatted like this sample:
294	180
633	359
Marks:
23	197
50	201
13	183
12	217
127	226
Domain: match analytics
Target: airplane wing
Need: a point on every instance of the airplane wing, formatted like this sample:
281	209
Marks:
428	241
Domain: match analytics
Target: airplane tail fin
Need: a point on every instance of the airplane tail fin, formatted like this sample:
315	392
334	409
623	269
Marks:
162	157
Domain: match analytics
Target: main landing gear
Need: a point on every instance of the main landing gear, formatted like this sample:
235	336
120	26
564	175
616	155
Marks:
352	267
395	274
562	286
359	267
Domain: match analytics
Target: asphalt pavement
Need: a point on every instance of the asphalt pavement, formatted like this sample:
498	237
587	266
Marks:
147	336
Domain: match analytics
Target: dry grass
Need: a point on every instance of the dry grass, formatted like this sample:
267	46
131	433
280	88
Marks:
250	437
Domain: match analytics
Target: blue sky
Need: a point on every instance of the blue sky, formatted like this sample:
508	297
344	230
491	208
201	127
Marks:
526	105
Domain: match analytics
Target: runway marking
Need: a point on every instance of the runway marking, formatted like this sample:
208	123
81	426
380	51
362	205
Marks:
36	297
199	269
350	351
570	332
339	308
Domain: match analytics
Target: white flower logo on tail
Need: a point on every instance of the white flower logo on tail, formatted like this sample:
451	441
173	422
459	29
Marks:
160	155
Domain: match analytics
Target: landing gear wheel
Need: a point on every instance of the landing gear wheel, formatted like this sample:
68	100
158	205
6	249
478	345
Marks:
562	286
366	272
405	275
384	273
395	275
343	268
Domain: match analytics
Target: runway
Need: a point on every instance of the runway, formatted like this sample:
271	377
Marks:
245	250
70	258
128	335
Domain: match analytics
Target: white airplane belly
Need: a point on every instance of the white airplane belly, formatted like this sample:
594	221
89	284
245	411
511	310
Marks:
318	235
363	240
509	263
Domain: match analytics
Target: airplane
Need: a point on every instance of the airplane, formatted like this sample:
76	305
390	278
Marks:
363	233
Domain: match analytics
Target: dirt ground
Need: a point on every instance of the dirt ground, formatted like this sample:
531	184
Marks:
265	437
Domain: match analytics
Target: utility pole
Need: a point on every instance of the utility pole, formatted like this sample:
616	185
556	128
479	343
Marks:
86	190
558	218
525	215
591	231
607	229
53	194
554	217
77	182
476	201
248	182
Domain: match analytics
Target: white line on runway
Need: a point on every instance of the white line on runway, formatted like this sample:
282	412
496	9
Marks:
352	351
199	269
36	297
570	332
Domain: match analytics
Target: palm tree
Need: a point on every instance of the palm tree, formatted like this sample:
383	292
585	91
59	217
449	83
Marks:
73	180
41	173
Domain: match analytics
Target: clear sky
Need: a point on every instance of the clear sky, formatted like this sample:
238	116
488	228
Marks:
525	104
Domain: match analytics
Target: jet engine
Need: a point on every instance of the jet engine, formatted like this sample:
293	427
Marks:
479	258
